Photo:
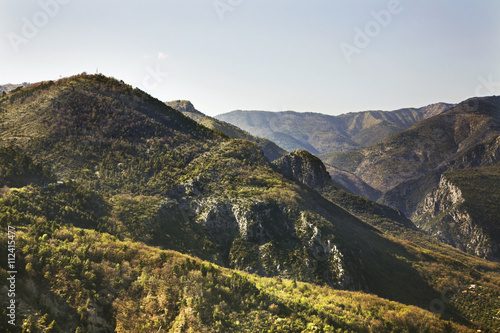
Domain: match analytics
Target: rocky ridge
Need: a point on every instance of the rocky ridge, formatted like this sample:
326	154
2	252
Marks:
305	167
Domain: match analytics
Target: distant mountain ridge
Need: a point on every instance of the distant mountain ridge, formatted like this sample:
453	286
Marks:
408	169
321	134
433	143
9	86
270	149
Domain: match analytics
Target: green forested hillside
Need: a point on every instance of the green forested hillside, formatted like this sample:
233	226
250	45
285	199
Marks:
77	280
135	173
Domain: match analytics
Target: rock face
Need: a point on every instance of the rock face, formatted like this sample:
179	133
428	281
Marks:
304	167
270	239
443	214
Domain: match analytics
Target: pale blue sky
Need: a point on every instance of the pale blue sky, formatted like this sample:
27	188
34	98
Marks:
262	54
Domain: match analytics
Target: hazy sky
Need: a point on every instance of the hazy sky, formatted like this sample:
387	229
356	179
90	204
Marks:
329	56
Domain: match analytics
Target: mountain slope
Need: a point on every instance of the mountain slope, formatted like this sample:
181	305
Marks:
308	169
270	149
408	166
428	145
352	183
143	172
106	285
463	210
186	179
322	134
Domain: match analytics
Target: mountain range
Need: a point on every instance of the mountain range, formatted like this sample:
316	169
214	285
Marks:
408	168
322	134
406	153
9	87
131	216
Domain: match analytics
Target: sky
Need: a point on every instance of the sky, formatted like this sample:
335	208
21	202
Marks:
328	56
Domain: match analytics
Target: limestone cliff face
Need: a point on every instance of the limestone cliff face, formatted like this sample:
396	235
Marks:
258	236
269	238
304	167
443	215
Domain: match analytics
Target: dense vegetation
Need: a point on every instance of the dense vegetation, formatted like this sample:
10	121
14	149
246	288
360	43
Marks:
90	282
134	173
17	169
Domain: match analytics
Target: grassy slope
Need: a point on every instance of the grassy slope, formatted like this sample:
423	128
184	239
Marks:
90	281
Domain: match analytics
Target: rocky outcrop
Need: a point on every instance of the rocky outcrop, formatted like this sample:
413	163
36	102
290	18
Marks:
443	214
304	167
268	238
265	237
310	170
183	106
